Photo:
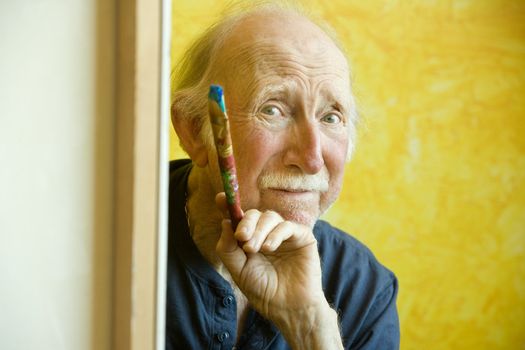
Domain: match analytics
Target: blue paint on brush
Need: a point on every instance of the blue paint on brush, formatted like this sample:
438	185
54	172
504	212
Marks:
216	94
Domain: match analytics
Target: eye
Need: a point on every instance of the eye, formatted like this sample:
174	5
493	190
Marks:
331	118
271	110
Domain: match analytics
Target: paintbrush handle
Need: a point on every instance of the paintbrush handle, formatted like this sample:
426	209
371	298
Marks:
223	143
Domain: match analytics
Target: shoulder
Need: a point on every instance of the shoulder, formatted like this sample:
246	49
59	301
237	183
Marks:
179	168
340	248
178	178
356	284
329	236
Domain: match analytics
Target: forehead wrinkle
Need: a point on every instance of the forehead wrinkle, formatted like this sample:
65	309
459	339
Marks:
308	65
285	68
261	53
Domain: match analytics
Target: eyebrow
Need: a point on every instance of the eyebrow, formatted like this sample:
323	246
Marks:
338	102
341	100
257	95
280	90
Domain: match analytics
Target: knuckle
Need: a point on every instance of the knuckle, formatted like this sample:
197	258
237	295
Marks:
272	214
287	225
252	213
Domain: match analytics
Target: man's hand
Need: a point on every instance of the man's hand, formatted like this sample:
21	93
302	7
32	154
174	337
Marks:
276	265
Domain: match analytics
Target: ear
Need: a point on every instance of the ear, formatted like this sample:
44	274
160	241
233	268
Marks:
188	131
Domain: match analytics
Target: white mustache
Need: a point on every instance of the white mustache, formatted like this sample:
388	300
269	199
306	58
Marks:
295	182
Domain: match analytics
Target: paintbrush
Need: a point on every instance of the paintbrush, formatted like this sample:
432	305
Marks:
223	143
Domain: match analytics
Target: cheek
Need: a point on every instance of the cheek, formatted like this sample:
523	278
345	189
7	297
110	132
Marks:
335	160
335	151
335	185
253	146
252	149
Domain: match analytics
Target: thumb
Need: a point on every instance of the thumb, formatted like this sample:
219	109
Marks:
231	255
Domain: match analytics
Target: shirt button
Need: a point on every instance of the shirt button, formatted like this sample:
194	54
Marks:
227	301
223	336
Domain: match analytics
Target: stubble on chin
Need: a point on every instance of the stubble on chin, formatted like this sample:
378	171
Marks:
304	213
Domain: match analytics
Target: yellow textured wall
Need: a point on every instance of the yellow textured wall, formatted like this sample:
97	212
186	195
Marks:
437	186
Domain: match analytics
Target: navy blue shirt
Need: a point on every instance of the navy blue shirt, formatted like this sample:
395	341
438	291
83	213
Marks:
201	310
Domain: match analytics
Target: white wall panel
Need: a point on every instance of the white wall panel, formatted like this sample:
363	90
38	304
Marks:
56	146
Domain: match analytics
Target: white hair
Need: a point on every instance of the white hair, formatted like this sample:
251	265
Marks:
191	77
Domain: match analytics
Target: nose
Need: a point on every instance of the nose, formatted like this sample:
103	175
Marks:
304	149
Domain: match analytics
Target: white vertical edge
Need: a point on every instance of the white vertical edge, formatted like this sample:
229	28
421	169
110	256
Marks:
162	242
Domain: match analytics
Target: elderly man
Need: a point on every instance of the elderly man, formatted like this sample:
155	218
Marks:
283	279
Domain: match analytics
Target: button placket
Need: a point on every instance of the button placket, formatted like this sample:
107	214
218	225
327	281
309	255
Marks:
225	320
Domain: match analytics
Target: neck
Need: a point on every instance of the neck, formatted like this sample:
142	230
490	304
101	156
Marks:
203	216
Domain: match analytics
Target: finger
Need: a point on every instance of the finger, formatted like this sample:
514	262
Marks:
282	232
247	225
289	236
266	224
222	205
229	252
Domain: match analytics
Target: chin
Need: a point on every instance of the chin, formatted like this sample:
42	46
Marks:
299	217
301	208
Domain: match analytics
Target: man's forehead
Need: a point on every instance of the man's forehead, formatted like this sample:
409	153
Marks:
282	67
272	53
269	24
279	36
